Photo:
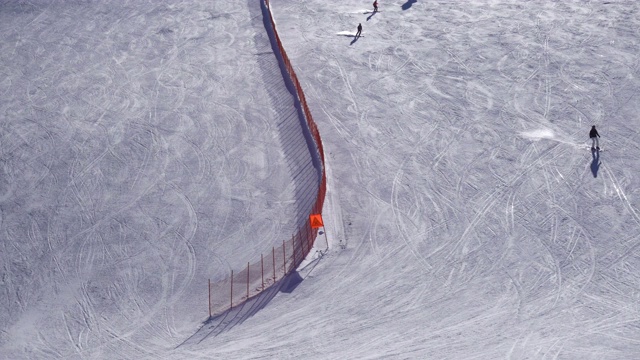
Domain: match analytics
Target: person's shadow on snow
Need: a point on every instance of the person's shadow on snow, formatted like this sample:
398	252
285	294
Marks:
355	38
370	16
407	5
595	163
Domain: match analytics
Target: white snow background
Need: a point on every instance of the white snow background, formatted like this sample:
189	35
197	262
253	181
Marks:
141	154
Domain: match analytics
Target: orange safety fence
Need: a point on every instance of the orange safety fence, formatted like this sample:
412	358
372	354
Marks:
281	260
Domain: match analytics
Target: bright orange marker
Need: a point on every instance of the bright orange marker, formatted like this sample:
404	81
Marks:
316	221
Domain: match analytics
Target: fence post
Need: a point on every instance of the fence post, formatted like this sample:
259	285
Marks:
262	266
309	237
326	238
293	246
284	259
247	280
209	298
273	250
231	307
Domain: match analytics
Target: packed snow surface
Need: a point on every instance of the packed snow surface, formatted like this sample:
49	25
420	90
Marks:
142	152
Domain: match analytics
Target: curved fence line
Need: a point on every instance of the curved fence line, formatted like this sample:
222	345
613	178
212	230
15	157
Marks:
282	260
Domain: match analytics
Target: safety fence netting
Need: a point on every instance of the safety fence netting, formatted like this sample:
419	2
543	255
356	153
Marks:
278	262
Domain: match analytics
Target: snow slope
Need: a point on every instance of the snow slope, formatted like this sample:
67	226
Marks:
145	149
477	223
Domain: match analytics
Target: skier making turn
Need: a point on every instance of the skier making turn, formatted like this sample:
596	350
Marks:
593	134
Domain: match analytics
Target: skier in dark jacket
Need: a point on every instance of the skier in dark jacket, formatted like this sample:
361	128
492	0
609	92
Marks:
593	134
375	6
359	30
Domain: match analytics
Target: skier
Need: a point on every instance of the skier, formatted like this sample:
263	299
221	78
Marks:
593	134
375	6
359	30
